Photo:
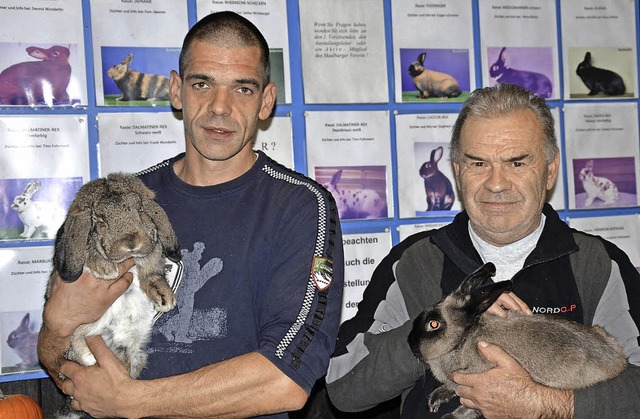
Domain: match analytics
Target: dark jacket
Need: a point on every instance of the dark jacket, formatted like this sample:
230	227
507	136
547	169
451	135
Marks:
569	273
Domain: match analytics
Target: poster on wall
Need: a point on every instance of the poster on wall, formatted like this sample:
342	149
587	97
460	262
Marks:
519	45
275	139
349	153
602	155
131	142
343	51
362	254
433	62
44	161
270	17
25	274
426	183
135	47
622	230
599	49
42	61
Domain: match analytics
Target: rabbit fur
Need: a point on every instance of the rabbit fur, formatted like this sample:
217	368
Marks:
112	219
23	340
597	186
135	85
432	83
536	82
437	187
556	352
36	214
598	79
356	203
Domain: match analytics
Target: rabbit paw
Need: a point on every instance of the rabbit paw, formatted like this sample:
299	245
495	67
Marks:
439	396
160	294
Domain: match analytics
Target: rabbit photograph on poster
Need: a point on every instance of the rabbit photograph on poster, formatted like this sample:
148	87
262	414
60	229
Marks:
359	191
20	334
434	74
601	72
438	189
604	182
41	78
531	68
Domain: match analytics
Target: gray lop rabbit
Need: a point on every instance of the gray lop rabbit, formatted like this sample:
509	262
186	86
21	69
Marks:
23	340
437	186
556	352
112	219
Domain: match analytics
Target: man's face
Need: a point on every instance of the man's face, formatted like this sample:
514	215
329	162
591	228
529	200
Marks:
221	97
503	175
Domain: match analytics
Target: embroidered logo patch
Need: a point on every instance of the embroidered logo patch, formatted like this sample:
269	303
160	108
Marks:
322	272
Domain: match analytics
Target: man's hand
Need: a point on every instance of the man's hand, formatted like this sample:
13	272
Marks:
95	389
83	301
507	390
508	301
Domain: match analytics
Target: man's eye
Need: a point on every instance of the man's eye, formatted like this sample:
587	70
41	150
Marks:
245	90
517	164
200	85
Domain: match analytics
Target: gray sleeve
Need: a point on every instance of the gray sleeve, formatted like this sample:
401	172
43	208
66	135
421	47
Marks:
618	397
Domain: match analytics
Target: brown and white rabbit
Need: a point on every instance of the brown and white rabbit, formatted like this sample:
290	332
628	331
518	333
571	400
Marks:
597	186
24	340
135	85
35	215
538	83
556	352
437	186
356	203
112	219
598	79
432	83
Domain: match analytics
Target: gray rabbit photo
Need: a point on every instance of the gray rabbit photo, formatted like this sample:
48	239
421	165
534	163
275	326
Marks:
599	80
23	341
437	186
555	352
112	219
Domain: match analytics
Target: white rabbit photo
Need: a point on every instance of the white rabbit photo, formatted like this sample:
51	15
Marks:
40	218
605	182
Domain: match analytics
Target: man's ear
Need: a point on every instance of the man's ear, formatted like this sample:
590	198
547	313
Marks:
552	171
268	101
175	90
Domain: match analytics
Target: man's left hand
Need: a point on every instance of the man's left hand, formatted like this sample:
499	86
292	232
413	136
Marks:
508	391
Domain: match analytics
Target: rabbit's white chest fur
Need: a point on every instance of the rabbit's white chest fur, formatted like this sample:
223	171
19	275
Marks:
125	327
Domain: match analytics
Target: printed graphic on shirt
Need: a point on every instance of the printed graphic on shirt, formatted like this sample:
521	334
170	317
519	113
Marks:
184	324
322	272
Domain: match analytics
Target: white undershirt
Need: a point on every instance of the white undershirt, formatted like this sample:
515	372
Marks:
508	259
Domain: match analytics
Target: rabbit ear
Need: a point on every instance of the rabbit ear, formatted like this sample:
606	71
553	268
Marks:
166	235
24	324
31	188
589	164
422	57
481	291
127	59
502	54
336	177
71	246
436	154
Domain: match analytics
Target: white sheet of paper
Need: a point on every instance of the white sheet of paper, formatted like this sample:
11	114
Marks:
29	144
607	136
270	16
44	24
406	230
152	32
527	29
622	230
132	142
419	178
25	274
343	51
362	254
353	149
444	30
607	30
275	138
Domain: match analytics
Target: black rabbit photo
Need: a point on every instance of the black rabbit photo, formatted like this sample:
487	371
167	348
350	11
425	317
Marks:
439	191
599	80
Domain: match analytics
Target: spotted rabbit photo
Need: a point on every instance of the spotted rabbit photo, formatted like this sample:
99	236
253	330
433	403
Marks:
38	217
597	187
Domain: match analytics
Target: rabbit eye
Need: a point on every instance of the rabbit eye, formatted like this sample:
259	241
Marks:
433	325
